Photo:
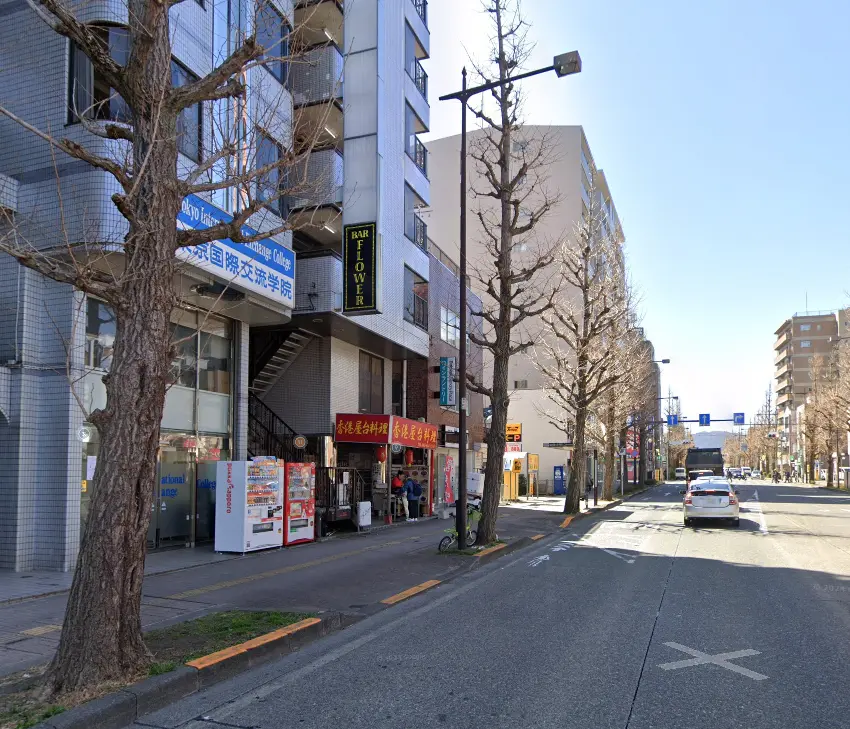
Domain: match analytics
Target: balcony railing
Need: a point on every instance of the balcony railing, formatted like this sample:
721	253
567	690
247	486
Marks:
422	10
420	79
420	156
416	310
420	233
316	181
317	76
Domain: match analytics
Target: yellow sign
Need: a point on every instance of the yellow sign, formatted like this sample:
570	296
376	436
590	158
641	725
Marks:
517	467
533	462
85	486
513	432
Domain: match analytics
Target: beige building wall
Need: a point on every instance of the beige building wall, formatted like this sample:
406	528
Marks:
567	176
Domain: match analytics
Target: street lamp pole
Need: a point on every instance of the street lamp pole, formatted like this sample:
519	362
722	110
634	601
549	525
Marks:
563	65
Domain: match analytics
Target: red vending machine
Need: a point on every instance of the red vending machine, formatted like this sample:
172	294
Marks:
299	506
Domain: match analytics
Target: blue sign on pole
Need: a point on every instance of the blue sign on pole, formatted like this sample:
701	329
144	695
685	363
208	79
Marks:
559	480
672	420
704	419
738	418
448	386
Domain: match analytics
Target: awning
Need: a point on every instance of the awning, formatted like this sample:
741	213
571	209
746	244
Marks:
384	430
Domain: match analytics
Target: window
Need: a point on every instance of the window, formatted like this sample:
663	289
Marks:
410	130
805	343
273	36
269	152
100	335
409	212
449	327
214	363
520	384
415	299
805	327
89	94
371	383
189	122
397	387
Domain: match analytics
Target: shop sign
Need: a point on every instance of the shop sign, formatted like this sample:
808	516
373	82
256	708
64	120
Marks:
533	462
513	432
513	447
448	386
299	441
517	467
362	428
261	267
360	269
414	433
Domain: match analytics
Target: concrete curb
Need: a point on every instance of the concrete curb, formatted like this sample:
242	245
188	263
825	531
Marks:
126	705
499	550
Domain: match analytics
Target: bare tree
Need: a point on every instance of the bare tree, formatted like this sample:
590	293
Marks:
137	152
511	200
586	334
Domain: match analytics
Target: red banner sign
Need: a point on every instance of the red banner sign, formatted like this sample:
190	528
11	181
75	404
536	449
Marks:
355	428
413	433
384	429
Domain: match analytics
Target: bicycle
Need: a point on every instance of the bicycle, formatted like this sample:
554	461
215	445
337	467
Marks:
448	542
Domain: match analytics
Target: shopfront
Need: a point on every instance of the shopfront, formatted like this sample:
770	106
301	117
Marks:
380	446
197	422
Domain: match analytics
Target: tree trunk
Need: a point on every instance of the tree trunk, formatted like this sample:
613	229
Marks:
610	465
102	632
494	468
577	472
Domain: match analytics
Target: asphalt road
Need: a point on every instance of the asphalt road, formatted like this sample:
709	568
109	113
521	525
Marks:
628	620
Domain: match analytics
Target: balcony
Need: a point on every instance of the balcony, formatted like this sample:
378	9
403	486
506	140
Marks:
782	399
419	155
781	371
316	83
782	354
421	8
416	15
315	197
782	339
319	21
420	79
416	310
420	232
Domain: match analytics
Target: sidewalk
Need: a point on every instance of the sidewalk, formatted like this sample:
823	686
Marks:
349	575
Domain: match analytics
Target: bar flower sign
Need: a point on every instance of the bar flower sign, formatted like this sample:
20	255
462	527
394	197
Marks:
261	267
360	269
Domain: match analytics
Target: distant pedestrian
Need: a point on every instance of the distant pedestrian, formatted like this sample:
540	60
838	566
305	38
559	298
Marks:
400	493
413	491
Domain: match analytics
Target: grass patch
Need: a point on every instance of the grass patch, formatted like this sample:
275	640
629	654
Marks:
187	641
171	647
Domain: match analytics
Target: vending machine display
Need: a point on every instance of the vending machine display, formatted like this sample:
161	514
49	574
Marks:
299	503
249	505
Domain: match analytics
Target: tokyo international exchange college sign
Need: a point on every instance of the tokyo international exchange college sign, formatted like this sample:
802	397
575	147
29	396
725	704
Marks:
262	267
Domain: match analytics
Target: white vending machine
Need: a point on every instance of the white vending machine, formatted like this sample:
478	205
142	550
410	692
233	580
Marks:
248	505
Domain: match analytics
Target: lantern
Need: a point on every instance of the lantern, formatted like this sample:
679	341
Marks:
408	457
381	454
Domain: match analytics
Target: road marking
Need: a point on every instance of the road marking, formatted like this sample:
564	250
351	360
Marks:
410	592
280	571
562	546
627	558
41	630
668	493
566	522
815	496
720	659
756	509
537	536
539	560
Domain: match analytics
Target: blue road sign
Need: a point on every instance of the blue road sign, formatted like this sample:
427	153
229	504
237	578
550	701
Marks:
704	419
738	418
672	420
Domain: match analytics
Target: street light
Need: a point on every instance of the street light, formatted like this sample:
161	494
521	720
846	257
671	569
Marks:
564	65
662	361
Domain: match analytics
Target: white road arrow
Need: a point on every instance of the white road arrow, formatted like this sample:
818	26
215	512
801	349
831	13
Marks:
538	560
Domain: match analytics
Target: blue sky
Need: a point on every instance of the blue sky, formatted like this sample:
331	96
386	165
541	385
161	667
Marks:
724	132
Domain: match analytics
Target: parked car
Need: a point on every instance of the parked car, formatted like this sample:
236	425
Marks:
756	474
681	474
747	472
710	498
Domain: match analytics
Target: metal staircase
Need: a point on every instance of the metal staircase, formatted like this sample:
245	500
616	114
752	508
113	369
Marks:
273	353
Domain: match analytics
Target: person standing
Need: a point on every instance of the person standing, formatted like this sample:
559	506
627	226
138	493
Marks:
400	493
410	489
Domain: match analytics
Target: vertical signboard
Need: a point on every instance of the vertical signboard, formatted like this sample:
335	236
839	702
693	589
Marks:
360	269
448	386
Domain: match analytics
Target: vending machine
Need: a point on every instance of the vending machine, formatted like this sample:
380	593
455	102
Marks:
248	505
299	508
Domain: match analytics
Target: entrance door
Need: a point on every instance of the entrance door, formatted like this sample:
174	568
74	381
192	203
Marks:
171	520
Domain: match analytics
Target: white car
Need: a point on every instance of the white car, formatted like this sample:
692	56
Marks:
681	474
710	498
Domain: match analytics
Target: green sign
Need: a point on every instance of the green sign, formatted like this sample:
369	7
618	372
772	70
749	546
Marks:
360	269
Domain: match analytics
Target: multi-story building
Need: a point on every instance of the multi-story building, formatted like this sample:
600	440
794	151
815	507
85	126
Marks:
799	341
571	171
281	354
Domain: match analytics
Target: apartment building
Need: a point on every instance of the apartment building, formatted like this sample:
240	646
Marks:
569	173
799	341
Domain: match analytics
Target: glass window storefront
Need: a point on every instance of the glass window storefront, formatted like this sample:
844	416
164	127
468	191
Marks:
196	423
